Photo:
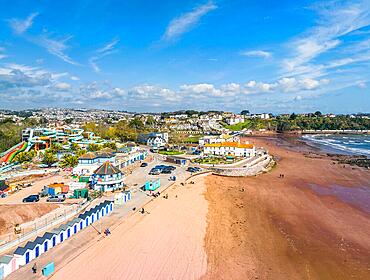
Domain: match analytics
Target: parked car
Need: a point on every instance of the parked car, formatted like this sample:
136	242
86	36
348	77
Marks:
171	167
160	167
166	171
55	199
144	164
31	198
193	169
155	172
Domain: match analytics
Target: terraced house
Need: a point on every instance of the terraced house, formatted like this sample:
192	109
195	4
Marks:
230	149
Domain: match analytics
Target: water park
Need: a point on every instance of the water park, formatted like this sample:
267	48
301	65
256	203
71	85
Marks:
42	138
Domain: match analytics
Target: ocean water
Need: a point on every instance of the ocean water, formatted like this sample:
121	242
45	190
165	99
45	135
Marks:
341	144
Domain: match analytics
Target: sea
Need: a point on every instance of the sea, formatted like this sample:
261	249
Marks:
340	143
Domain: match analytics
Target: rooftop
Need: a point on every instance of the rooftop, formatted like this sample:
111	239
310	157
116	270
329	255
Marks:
230	144
107	168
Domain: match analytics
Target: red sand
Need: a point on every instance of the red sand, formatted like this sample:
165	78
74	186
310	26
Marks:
167	243
281	229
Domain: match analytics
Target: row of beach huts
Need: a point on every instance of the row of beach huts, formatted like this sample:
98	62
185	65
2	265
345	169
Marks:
33	249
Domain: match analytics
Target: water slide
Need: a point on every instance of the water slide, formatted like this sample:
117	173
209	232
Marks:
18	148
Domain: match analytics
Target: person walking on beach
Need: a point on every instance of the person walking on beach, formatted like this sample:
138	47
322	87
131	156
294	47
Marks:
34	268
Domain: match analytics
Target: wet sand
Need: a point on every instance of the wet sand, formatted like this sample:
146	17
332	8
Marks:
282	228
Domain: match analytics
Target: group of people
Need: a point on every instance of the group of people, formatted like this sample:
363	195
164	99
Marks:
281	176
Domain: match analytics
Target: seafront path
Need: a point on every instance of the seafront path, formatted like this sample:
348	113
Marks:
67	251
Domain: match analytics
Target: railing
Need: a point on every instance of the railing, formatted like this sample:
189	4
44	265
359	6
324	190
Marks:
41	226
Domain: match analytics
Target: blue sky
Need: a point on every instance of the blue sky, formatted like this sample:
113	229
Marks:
265	56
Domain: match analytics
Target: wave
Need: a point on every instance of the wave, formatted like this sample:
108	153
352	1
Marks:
341	145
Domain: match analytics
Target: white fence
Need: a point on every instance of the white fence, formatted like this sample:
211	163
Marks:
42	226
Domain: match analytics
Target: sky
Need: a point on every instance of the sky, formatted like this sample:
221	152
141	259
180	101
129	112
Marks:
152	56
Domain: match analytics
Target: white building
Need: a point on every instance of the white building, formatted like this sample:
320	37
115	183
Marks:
212	139
230	149
89	162
157	140
234	120
107	178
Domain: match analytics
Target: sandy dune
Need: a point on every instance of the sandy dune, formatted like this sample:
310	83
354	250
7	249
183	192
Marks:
165	243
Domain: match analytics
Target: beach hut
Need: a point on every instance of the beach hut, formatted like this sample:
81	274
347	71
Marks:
42	244
118	199
52	239
60	233
122	197
8	264
67	229
85	219
75	224
25	254
152	185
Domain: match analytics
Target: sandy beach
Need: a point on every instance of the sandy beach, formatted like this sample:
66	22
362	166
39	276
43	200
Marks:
164	243
312	224
283	228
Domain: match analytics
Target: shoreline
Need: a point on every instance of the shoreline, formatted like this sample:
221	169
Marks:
266	227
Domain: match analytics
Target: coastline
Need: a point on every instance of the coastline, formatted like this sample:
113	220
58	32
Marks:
298	227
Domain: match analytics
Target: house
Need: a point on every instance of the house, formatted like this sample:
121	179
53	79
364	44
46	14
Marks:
8	264
155	140
90	161
212	139
107	178
234	120
230	149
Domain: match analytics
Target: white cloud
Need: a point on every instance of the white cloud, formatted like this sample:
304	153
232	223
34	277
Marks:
257	53
336	20
185	22
19	26
62	86
75	78
56	47
109	48
362	84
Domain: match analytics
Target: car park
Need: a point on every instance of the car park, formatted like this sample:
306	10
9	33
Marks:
155	172
55	199
166	171
31	198
193	169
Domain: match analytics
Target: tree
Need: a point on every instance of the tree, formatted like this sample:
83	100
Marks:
293	116
245	113
69	160
136	123
56	147
150	121
111	145
24	156
49	158
93	147
318	114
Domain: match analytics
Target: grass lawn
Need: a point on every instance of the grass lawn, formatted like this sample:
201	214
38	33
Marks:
170	153
215	160
193	139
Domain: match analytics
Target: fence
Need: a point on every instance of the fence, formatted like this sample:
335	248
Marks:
28	173
258	166
35	228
